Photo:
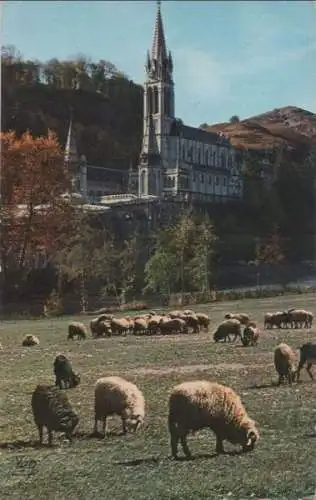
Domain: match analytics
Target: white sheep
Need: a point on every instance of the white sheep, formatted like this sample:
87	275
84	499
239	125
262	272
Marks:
117	396
30	340
198	404
285	363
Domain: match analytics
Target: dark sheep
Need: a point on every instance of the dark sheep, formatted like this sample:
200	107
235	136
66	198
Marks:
51	409
64	373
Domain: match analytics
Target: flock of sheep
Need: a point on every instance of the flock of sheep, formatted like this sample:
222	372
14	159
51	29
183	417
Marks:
193	405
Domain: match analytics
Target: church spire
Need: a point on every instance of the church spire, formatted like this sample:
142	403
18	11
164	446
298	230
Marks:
71	152
158	50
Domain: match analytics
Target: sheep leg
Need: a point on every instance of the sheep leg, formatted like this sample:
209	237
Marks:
104	426
219	445
184	444
174	445
124	425
289	378
309	371
50	437
40	431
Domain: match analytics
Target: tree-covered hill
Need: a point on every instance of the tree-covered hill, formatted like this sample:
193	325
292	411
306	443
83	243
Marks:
106	105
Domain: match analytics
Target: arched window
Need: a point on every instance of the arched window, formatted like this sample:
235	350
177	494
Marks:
167	101
183	152
214	158
142	182
201	155
149	100
155	104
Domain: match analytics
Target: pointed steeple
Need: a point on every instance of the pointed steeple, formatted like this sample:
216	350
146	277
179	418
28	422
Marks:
158	50
71	152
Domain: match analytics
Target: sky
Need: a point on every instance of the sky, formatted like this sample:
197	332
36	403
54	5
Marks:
230	57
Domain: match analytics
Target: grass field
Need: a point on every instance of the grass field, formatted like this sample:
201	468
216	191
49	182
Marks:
282	466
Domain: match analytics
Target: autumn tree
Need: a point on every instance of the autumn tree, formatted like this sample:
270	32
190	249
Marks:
33	177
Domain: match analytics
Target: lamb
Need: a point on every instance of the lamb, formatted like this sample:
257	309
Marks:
308	356
198	404
30	340
76	329
227	328
64	373
115	395
285	362
250	335
51	409
242	317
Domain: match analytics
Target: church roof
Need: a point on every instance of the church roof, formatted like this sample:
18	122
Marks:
178	129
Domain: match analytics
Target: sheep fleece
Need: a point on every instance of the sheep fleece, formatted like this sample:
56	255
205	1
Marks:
115	395
198	404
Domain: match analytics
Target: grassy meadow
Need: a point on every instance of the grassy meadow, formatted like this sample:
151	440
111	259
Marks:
282	466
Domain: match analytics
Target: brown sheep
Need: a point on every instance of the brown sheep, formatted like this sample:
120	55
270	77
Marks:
174	325
120	326
140	326
192	322
285	362
153	324
299	318
199	404
226	329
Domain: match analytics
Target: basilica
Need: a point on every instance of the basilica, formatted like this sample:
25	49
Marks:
178	160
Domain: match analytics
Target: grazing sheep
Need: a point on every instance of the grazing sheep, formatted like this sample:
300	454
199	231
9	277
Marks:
199	404
153	324
308	356
242	317
30	340
120	326
100	327
278	319
116	396
174	314
227	328
76	329
192	321
250	336
299	318
169	326
204	320
64	373
140	326
51	409
284	362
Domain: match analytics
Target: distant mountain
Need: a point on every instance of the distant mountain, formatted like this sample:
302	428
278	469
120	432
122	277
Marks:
289	126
